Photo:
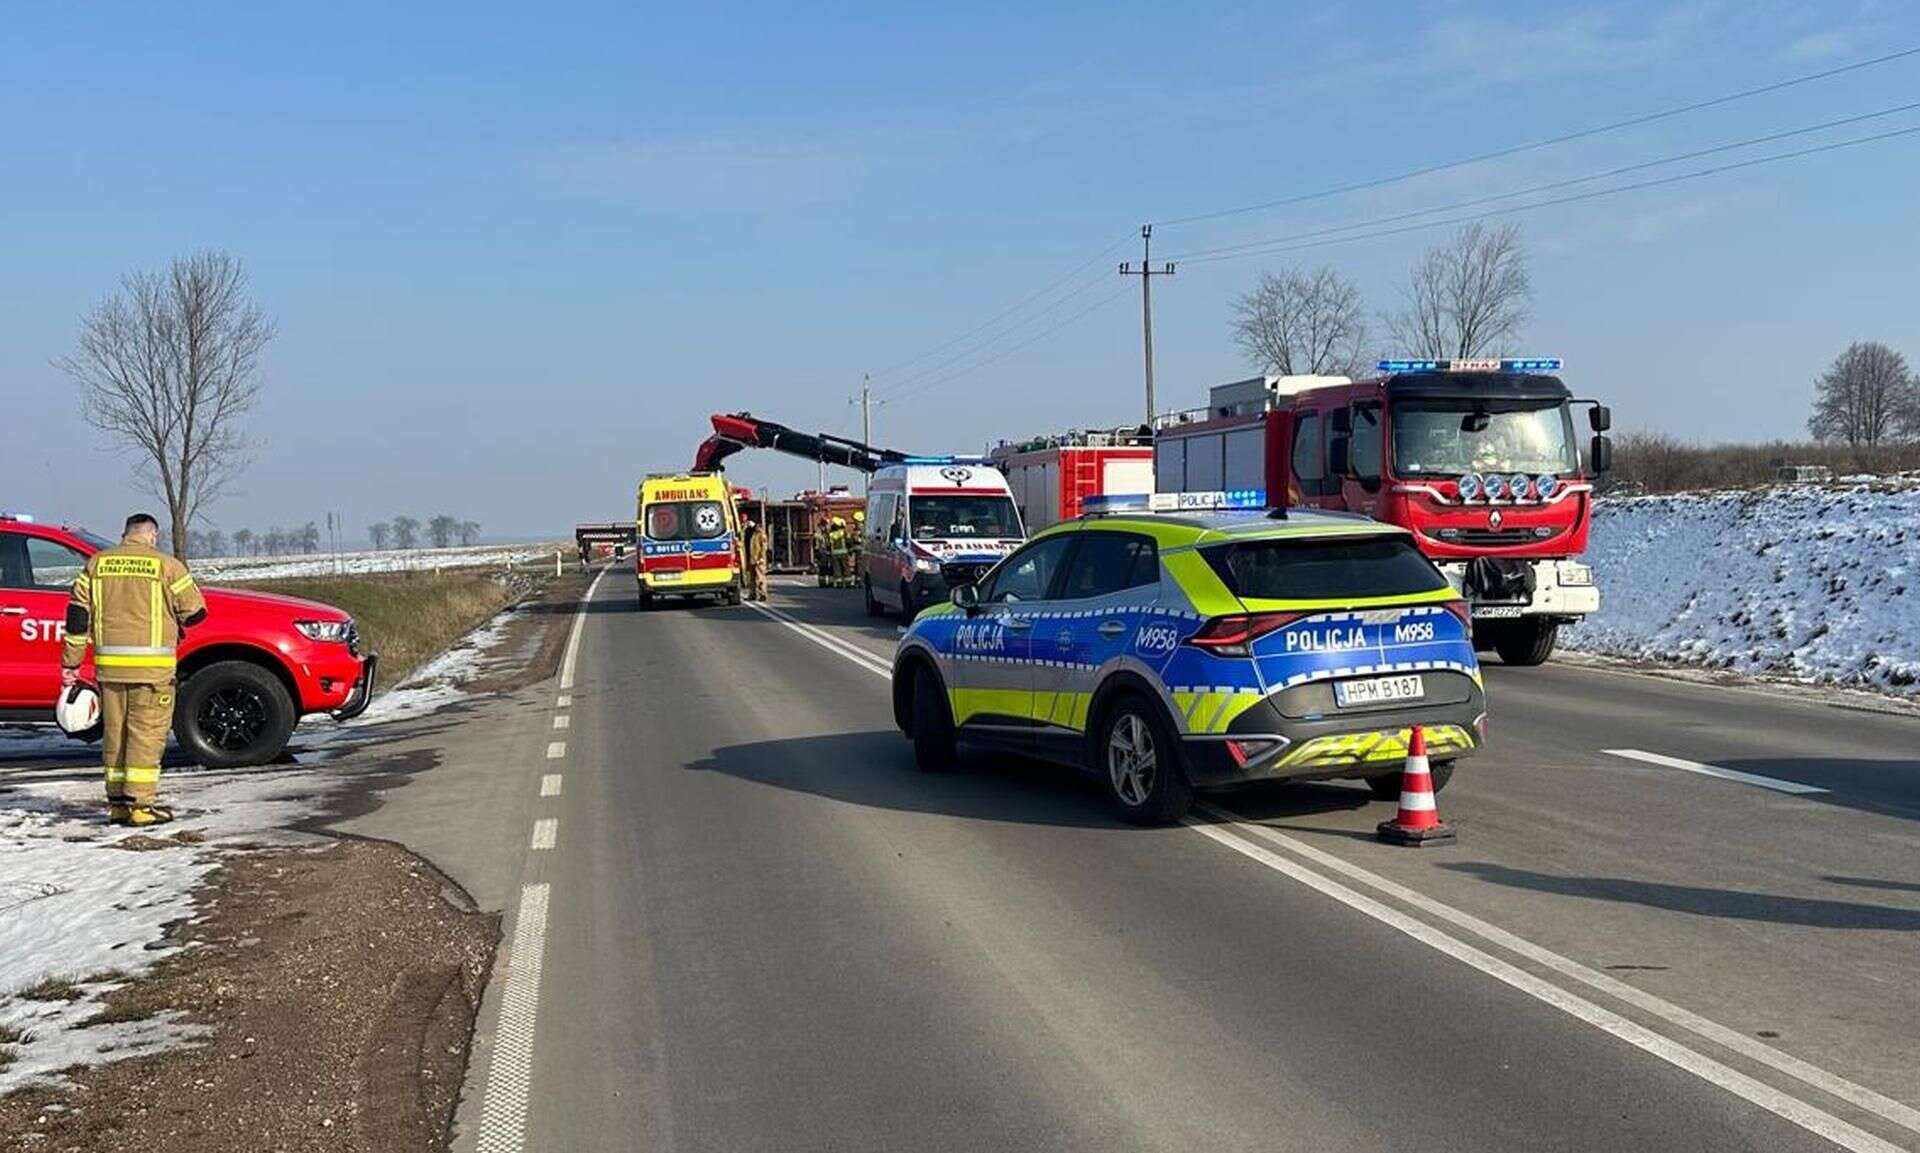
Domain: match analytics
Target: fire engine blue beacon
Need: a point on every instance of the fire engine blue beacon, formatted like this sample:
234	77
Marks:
1496	486
1546	484
1521	485
1470	487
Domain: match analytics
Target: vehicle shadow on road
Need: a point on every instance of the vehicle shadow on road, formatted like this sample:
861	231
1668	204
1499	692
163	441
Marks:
876	769
1283	800
1853	781
1724	904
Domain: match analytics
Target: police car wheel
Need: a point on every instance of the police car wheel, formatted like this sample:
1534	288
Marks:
1139	764
933	740
1387	788
233	713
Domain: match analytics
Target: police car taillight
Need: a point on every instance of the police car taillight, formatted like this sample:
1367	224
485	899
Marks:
1461	610
1229	636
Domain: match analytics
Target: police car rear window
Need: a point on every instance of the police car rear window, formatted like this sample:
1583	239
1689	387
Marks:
1374	566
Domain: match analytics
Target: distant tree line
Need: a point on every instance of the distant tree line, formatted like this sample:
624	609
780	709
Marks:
442	531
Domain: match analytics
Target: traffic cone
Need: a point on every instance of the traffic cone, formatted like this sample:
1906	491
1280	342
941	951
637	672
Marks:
1418	822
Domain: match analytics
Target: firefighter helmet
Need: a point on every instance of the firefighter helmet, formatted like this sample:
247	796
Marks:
78	710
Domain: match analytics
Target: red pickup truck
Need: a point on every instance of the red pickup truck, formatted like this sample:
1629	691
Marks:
248	673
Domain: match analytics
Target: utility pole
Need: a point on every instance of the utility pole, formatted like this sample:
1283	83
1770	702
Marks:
866	422
1146	272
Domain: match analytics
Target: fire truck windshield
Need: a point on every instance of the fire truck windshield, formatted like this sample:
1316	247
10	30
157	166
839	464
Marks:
1452	437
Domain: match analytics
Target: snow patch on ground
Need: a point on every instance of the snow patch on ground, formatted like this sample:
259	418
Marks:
252	568
1815	585
75	904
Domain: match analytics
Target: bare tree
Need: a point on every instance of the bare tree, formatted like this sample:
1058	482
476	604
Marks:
243	540
469	532
275	542
1466	297
442	529
406	532
308	537
1302	322
168	366
377	533
1865	395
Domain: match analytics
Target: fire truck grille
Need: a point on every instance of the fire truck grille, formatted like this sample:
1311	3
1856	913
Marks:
963	573
1492	537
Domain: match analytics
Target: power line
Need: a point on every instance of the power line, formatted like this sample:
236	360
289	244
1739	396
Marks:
1004	333
1749	142
1008	311
1563	138
1578	197
1009	351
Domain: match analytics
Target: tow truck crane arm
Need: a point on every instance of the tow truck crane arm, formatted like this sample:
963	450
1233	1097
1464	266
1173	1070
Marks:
735	431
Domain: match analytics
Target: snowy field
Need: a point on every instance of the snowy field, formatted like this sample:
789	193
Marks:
1815	585
252	568
76	905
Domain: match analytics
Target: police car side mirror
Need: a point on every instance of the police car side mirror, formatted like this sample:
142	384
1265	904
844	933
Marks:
966	598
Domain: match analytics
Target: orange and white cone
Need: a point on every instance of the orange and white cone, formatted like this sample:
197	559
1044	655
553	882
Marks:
1418	822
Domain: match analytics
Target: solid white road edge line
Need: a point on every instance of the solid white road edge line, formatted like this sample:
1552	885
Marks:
579	622
832	644
1705	770
1876	1103
556	750
550	785
503	1115
546	831
1706	1068
1775	1101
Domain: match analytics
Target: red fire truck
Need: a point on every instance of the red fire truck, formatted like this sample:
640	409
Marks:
1051	476
1478	458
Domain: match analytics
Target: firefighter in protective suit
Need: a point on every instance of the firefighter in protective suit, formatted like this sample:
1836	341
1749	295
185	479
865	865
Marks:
756	561
131	604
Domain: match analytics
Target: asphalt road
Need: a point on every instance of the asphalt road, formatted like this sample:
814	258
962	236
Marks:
739	918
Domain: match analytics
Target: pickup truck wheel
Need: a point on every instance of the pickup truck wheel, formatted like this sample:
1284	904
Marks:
233	713
1387	788
1138	762
933	740
1526	642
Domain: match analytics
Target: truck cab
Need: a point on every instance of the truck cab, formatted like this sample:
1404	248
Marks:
247	673
1477	458
932	525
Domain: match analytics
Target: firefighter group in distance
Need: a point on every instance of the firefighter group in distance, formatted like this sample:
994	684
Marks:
836	546
130	605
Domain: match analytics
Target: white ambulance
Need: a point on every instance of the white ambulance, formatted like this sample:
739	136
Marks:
933	524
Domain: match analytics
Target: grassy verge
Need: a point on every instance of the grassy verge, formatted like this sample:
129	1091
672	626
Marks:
407	617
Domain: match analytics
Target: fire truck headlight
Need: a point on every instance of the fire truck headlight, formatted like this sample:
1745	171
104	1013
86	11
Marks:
1546	484
1470	486
1496	486
1520	485
1573	574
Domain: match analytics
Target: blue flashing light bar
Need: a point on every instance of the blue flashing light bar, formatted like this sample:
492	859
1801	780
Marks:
974	460
1237	498
1115	502
1480	364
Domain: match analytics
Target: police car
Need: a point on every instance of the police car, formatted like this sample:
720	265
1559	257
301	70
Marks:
1191	640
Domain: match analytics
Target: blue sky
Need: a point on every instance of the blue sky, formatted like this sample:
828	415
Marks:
517	253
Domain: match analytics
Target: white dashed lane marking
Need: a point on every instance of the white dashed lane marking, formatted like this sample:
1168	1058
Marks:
556	750
546	831
550	785
503	1116
561	721
1685	766
563	701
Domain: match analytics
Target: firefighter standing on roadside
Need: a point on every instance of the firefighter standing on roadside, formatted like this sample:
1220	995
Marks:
842	553
131	604
756	568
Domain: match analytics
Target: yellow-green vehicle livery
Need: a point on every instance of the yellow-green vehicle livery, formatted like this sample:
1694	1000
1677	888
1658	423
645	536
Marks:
1176	642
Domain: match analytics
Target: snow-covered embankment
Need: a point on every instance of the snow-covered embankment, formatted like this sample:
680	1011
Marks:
1818	585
